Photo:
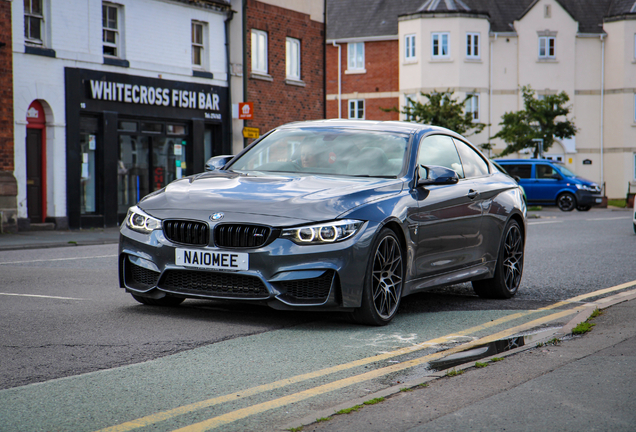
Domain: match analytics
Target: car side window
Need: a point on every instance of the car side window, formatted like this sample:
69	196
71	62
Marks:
440	150
546	172
523	171
473	164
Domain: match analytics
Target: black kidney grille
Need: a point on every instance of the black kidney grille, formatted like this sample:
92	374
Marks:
188	232
140	277
309	289
213	284
241	236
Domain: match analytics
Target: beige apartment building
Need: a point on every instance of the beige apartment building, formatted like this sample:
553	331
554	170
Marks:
491	48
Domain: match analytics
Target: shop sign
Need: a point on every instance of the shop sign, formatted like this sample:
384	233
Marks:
246	110
148	95
251	132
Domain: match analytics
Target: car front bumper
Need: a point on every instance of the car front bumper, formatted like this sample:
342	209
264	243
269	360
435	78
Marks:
587	198
282	274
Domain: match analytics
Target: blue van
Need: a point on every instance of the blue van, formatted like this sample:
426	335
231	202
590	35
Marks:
548	182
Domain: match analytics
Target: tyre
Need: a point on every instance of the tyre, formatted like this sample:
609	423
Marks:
566	201
509	268
383	281
165	301
583	208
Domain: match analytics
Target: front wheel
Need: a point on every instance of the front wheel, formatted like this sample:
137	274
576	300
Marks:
164	301
383	281
508	269
566	202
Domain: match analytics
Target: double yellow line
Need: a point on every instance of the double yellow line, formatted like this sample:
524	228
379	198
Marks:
339	384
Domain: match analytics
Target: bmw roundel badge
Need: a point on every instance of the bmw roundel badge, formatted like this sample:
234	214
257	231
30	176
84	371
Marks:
216	216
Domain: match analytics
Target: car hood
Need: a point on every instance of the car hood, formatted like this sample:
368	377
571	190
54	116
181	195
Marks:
300	198
583	181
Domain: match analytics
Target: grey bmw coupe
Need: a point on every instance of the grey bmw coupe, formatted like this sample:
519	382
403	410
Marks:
330	215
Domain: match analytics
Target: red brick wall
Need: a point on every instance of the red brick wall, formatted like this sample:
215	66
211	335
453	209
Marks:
6	89
276	102
382	75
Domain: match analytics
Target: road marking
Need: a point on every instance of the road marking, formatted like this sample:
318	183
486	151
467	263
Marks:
56	259
356	379
544	222
41	296
235	415
604	219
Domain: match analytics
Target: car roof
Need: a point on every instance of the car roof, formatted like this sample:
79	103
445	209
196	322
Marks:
528	161
387	126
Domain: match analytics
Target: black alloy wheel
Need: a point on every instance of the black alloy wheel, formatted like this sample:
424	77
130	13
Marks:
383	283
566	202
509	267
164	301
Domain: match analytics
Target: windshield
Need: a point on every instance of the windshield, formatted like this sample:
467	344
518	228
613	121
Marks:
327	151
566	172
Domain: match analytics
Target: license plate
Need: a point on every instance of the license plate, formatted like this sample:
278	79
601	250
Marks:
212	260
599	200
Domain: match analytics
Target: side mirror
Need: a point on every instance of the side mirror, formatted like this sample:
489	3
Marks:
437	175
217	162
557	177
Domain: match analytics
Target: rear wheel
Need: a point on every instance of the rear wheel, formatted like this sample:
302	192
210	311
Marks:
566	201
508	269
164	301
583	208
383	282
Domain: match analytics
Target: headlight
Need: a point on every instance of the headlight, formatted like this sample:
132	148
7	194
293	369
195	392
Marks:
328	232
584	187
139	221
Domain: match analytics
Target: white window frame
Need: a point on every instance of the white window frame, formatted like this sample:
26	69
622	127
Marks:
292	58
259	51
199	45
409	47
473	39
473	105
440	38
29	15
356	106
117	45
355	56
544	44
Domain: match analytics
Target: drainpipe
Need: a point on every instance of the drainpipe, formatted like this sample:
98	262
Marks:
228	70
602	103
492	42
244	37
339	79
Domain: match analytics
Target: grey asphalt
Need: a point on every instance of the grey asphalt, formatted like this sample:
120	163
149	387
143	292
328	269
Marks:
582	383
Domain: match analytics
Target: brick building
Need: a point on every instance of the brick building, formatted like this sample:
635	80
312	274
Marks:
363	58
284	64
8	185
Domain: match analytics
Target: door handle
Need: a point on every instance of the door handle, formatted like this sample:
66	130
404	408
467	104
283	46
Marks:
472	194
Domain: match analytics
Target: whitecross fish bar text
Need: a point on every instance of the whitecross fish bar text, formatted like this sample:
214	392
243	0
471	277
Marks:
140	94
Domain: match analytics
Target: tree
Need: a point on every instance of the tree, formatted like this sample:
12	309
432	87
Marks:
536	123
442	110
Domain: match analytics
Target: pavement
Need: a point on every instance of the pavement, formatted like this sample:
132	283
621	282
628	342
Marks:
58	238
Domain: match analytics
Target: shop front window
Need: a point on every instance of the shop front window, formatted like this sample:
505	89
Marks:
132	171
88	158
149	162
